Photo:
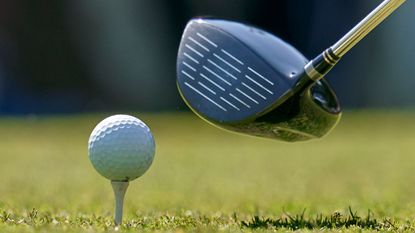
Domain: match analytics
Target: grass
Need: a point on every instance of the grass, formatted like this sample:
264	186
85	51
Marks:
359	178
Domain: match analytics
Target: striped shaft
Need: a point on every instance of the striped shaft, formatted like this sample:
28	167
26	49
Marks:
322	64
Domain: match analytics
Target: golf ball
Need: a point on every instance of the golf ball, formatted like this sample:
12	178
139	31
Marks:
121	148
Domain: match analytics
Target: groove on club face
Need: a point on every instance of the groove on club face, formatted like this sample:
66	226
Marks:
222	79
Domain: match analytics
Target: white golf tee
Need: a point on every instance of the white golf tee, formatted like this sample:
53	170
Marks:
119	187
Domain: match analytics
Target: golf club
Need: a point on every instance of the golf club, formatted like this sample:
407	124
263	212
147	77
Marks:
243	79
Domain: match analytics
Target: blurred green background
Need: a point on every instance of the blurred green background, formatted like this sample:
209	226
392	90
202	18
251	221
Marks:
366	163
100	55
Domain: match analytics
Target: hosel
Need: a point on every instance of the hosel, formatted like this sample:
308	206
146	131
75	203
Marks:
317	68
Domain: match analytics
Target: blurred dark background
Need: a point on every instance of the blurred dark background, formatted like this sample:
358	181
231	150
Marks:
74	56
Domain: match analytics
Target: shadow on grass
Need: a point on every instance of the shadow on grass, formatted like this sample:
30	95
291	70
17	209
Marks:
335	221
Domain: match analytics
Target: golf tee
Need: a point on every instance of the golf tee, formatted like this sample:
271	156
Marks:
120	188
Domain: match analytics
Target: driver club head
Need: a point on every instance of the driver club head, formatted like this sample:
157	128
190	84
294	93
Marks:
246	80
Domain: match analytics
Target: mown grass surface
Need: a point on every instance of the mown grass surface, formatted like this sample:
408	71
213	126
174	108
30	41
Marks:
204	179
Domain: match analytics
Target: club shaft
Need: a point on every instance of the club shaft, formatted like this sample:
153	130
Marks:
322	64
361	30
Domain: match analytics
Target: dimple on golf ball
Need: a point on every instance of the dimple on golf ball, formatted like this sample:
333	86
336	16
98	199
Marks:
121	148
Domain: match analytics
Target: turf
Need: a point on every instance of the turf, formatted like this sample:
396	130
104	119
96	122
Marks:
359	178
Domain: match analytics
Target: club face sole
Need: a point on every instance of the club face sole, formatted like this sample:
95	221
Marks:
308	115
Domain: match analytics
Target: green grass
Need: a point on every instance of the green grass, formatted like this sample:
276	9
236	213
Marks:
204	179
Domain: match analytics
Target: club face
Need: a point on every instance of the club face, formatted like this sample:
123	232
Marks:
229	73
241	79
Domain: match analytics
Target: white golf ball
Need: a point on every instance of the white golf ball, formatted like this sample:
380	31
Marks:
121	148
